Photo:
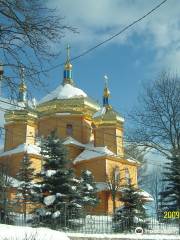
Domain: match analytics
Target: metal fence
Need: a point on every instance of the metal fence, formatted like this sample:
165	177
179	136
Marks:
86	222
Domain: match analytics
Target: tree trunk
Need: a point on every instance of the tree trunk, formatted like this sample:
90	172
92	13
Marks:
114	203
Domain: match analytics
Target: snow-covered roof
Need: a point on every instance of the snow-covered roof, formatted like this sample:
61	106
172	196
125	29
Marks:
29	148
133	160
64	92
69	140
107	113
99	113
93	153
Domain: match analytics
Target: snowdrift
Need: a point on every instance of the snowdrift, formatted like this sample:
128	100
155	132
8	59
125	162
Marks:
8	232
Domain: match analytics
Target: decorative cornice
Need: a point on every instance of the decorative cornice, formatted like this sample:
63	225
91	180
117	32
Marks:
21	115
84	106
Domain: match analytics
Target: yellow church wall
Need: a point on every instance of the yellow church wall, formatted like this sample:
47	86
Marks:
105	204
102	206
13	163
73	151
122	165
110	202
31	132
110	137
96	166
19	133
81	128
86	130
16	205
119	141
15	135
102	166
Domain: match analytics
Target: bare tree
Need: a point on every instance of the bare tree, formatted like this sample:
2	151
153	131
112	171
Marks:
29	36
157	121
157	118
113	182
132	150
155	186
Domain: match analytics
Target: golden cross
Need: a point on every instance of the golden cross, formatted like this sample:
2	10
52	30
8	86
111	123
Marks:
68	52
22	75
106	80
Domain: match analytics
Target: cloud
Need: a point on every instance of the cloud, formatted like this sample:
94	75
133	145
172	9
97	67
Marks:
98	20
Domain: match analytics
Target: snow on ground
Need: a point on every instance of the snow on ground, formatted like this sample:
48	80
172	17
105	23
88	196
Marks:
8	232
64	92
122	236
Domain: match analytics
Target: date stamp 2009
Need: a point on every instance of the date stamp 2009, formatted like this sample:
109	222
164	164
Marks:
171	214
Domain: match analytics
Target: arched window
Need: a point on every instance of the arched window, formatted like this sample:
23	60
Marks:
69	129
117	174
127	176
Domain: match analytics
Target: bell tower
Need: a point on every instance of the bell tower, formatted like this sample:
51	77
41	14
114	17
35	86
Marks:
108	126
20	122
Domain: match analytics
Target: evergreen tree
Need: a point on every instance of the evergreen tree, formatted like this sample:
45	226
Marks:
57	190
171	195
88	189
132	213
24	190
5	206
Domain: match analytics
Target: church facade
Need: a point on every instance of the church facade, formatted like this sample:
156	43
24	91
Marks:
93	134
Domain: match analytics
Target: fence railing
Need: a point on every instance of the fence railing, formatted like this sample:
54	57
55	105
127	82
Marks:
86	222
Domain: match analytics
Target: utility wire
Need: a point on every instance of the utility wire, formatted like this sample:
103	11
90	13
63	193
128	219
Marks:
105	41
12	104
108	39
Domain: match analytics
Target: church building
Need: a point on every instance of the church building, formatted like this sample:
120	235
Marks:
92	133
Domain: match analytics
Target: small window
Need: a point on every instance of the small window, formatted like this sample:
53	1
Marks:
69	129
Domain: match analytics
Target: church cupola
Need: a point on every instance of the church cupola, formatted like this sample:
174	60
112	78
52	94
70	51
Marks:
68	69
22	87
